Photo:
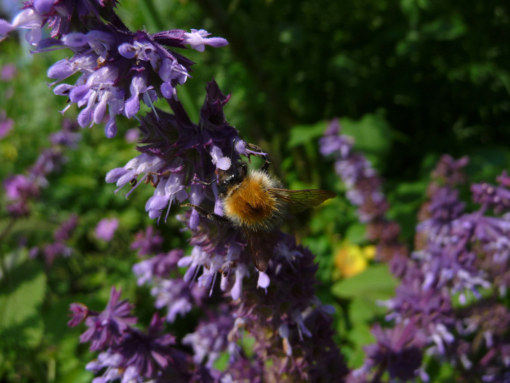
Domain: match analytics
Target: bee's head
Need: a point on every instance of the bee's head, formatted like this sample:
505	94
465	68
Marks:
231	177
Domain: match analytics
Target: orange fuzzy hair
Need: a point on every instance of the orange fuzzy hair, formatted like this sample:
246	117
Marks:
250	204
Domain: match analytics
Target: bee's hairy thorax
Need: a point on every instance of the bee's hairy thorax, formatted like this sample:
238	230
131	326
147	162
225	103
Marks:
250	204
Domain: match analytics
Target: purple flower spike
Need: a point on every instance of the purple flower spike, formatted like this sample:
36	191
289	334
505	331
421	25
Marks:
212	337
398	351
108	327
364	191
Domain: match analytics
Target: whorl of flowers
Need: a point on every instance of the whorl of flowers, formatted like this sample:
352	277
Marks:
364	191
127	353
458	255
58	247
20	189
118	67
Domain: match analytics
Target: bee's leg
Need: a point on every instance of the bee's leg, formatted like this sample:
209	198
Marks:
266	165
204	183
204	213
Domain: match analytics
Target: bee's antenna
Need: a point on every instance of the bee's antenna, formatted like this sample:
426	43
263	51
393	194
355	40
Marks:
234	166
232	152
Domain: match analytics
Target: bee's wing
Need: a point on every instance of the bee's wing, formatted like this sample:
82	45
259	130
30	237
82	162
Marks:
261	247
300	200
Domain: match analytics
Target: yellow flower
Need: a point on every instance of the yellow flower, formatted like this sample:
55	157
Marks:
352	259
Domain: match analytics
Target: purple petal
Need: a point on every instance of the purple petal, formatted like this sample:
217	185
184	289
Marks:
63	89
85	117
5	27
132	106
74	40
127	50
60	70
79	93
224	163
167	90
263	280
43	6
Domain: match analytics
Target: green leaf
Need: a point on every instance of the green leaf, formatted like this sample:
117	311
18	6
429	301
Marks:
360	336
376	282
356	233
21	295
371	133
302	134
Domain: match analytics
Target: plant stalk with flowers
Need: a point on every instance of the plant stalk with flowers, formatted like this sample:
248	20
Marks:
278	308
450	303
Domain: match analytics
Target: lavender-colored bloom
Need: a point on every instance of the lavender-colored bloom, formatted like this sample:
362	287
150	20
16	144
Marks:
58	248
176	153
398	351
211	338
132	135
64	232
148	242
141	356
116	65
289	305
148	353
108	327
106	228
8	72
158	266
177	296
496	197
6	124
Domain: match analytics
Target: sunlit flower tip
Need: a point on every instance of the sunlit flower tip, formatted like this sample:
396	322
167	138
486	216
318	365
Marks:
198	39
106	228
237	289
247	150
221	162
263	280
283	331
79	313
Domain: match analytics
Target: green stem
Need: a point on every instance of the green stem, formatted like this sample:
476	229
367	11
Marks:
3	235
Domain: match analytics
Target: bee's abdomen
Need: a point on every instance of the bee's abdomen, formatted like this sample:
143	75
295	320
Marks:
251	205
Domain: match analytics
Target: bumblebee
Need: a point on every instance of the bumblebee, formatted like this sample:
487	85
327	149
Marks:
257	204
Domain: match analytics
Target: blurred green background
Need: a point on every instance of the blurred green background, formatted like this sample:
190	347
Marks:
409	79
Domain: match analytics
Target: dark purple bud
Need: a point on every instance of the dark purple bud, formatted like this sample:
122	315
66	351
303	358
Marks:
110	128
79	313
